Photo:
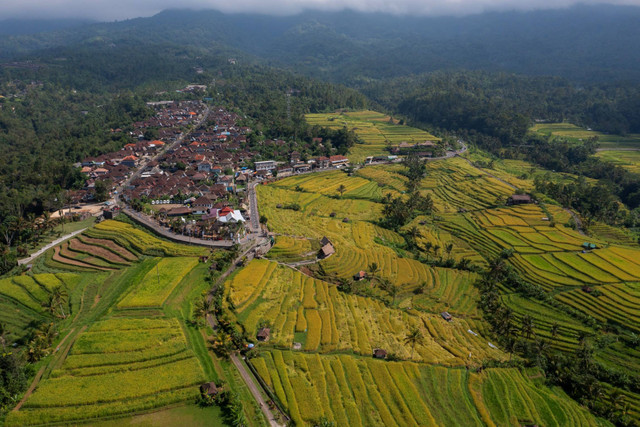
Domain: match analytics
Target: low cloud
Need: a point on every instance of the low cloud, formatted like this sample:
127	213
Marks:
109	10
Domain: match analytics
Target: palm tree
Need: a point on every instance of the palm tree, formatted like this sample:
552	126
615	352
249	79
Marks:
527	326
59	298
555	329
341	189
202	309
448	248
414	233
414	337
436	249
393	292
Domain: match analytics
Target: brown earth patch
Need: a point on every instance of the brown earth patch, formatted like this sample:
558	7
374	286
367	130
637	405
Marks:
98	251
124	253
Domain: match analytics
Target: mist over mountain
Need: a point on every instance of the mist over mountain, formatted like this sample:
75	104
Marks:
583	43
15	27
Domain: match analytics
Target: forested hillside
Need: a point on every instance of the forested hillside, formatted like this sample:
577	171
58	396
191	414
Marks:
585	43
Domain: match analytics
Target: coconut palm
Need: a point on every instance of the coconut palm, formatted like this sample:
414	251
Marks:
341	189
527	326
203	308
59	298
414	337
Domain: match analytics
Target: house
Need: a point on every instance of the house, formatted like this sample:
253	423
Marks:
284	171
201	205
241	179
446	316
129	161
519	199
228	216
295	157
327	250
379	353
209	389
204	167
263	334
360	275
302	167
179	211
339	161
323	162
111	213
325	241
266	165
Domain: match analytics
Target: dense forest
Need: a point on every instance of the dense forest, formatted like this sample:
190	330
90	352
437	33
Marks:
584	43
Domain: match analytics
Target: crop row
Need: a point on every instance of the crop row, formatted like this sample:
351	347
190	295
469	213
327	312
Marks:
117	366
158	283
134	239
336	321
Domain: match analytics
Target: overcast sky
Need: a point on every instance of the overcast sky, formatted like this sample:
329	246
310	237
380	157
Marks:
109	10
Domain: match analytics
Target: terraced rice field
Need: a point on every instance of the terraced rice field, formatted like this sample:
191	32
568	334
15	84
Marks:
118	366
629	160
306	309
156	286
544	317
619	303
367	392
576	134
505	397
291	249
455	184
22	299
136	240
376	130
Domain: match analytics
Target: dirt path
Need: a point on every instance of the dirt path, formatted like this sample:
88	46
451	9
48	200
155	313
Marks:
30	390
49	246
577	220
38	376
248	379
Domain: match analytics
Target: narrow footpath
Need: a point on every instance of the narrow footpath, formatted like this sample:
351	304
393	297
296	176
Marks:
248	379
49	246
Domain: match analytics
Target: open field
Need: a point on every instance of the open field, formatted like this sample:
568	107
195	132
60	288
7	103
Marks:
367	392
313	312
115	367
157	284
376	130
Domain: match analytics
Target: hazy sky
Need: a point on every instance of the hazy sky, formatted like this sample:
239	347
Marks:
108	10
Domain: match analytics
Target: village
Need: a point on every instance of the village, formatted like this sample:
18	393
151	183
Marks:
193	178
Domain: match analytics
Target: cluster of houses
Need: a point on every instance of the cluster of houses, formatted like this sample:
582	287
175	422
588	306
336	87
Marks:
195	181
268	168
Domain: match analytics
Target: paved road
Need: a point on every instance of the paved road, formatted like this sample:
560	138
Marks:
153	225
248	379
49	246
254	219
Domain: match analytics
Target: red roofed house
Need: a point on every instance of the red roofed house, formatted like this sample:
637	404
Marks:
339	161
129	161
